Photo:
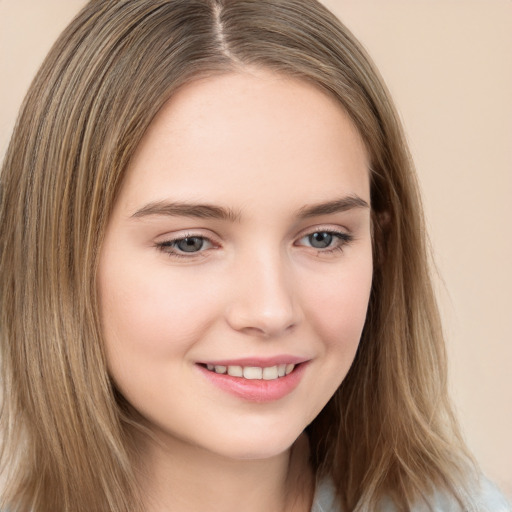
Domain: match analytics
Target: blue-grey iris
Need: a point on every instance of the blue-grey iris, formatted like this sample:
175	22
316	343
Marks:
191	244
320	240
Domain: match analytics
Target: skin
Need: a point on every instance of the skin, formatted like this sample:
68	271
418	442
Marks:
266	148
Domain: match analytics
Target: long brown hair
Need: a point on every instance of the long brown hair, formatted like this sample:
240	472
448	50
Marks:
389	429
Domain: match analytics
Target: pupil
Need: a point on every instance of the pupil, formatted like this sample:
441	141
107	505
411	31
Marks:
191	244
320	240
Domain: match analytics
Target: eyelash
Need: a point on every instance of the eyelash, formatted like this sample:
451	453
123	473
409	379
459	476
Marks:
171	244
343	240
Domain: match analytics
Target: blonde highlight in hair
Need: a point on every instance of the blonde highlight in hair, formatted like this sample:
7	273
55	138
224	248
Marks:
66	434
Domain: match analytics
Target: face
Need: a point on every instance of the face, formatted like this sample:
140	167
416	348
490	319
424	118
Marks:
236	269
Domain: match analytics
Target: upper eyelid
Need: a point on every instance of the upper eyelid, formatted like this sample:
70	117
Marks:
168	244
343	236
326	228
187	233
214	238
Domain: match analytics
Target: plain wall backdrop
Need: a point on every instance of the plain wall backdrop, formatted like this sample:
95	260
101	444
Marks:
448	64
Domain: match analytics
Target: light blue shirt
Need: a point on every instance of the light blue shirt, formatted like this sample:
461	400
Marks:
488	499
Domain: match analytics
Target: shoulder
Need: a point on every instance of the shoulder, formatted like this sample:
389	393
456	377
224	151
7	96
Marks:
325	498
486	498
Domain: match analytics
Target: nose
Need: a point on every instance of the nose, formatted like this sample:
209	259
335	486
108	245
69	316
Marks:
262	298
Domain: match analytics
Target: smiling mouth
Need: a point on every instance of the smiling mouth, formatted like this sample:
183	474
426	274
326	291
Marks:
253	372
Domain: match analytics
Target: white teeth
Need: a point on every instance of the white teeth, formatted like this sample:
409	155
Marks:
270	373
253	372
235	371
289	368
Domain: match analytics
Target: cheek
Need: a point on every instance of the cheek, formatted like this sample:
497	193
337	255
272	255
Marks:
152	314
337	307
339	302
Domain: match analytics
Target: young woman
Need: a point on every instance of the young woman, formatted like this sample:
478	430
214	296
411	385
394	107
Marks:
214	282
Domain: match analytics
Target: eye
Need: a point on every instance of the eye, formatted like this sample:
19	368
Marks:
187	245
190	244
320	240
325	240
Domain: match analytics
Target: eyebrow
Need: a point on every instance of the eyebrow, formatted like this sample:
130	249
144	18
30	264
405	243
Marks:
208	211
329	207
177	209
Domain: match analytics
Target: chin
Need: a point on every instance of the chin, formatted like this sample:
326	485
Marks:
264	444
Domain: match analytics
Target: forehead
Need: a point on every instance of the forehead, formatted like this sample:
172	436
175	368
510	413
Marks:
228	137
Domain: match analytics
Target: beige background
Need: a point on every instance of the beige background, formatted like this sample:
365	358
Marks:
448	64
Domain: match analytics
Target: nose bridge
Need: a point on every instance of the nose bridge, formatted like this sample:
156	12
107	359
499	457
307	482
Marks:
263	300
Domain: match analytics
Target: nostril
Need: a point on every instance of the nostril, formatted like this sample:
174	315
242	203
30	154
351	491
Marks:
263	302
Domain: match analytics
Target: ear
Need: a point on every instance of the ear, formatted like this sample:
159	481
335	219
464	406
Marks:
380	226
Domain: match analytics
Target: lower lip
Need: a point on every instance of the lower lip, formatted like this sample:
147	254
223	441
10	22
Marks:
257	390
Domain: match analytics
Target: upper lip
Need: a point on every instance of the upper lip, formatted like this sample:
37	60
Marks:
260	362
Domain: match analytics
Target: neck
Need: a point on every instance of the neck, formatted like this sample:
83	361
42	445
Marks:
181	477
